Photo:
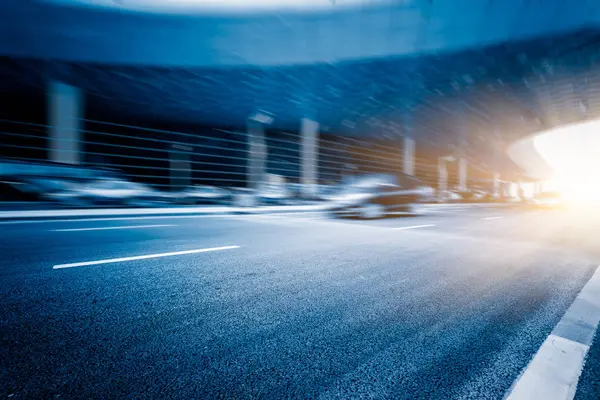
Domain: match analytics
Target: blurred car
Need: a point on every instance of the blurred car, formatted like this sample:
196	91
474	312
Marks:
62	191
116	192
451	196
480	195
427	194
512	199
204	194
270	193
378	195
242	196
474	195
326	192
320	192
14	189
548	200
33	188
295	190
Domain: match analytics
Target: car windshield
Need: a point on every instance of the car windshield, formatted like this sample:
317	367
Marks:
52	184
359	188
367	183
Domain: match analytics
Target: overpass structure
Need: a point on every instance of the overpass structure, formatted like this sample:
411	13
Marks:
459	77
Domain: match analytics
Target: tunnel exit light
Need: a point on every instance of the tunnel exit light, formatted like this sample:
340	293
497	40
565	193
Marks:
572	151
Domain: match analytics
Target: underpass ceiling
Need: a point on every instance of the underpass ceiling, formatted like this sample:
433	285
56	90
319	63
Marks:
497	93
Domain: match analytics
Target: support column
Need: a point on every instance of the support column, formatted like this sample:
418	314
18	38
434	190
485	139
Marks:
309	132
442	178
256	155
538	188
180	166
496	190
65	108
507	189
409	156
463	165
520	191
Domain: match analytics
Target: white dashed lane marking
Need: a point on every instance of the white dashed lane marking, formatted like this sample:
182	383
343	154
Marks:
143	257
413	227
107	228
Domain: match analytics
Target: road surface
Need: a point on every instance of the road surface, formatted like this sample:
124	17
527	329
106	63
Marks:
452	304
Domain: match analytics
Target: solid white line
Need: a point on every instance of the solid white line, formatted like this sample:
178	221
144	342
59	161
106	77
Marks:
50	221
47	221
491	218
108	212
554	371
106	228
153	211
144	257
413	227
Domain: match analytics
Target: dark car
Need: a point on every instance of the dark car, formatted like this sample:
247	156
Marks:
14	189
378	195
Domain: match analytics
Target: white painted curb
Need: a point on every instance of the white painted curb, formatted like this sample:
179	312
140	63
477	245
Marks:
554	371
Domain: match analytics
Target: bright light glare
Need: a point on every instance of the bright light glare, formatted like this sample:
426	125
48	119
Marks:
575	190
574	153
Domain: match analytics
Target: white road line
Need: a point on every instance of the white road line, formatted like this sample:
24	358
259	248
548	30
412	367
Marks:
54	221
232	215
491	218
445	211
554	371
153	211
412	227
144	257
106	228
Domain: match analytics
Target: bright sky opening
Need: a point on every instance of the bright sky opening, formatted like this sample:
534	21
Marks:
573	151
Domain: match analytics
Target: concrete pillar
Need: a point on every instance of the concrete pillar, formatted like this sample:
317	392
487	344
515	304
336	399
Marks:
309	132
463	165
409	156
180	166
442	178
256	155
537	189
65	108
496	190
507	189
519	189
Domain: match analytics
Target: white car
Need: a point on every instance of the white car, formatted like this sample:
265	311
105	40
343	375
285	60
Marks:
548	200
117	191
204	194
450	196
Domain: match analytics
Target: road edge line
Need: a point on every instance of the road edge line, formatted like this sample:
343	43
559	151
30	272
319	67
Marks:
553	372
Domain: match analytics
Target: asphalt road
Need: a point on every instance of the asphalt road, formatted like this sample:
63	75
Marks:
450	304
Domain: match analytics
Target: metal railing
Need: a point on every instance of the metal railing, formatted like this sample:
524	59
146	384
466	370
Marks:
209	155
